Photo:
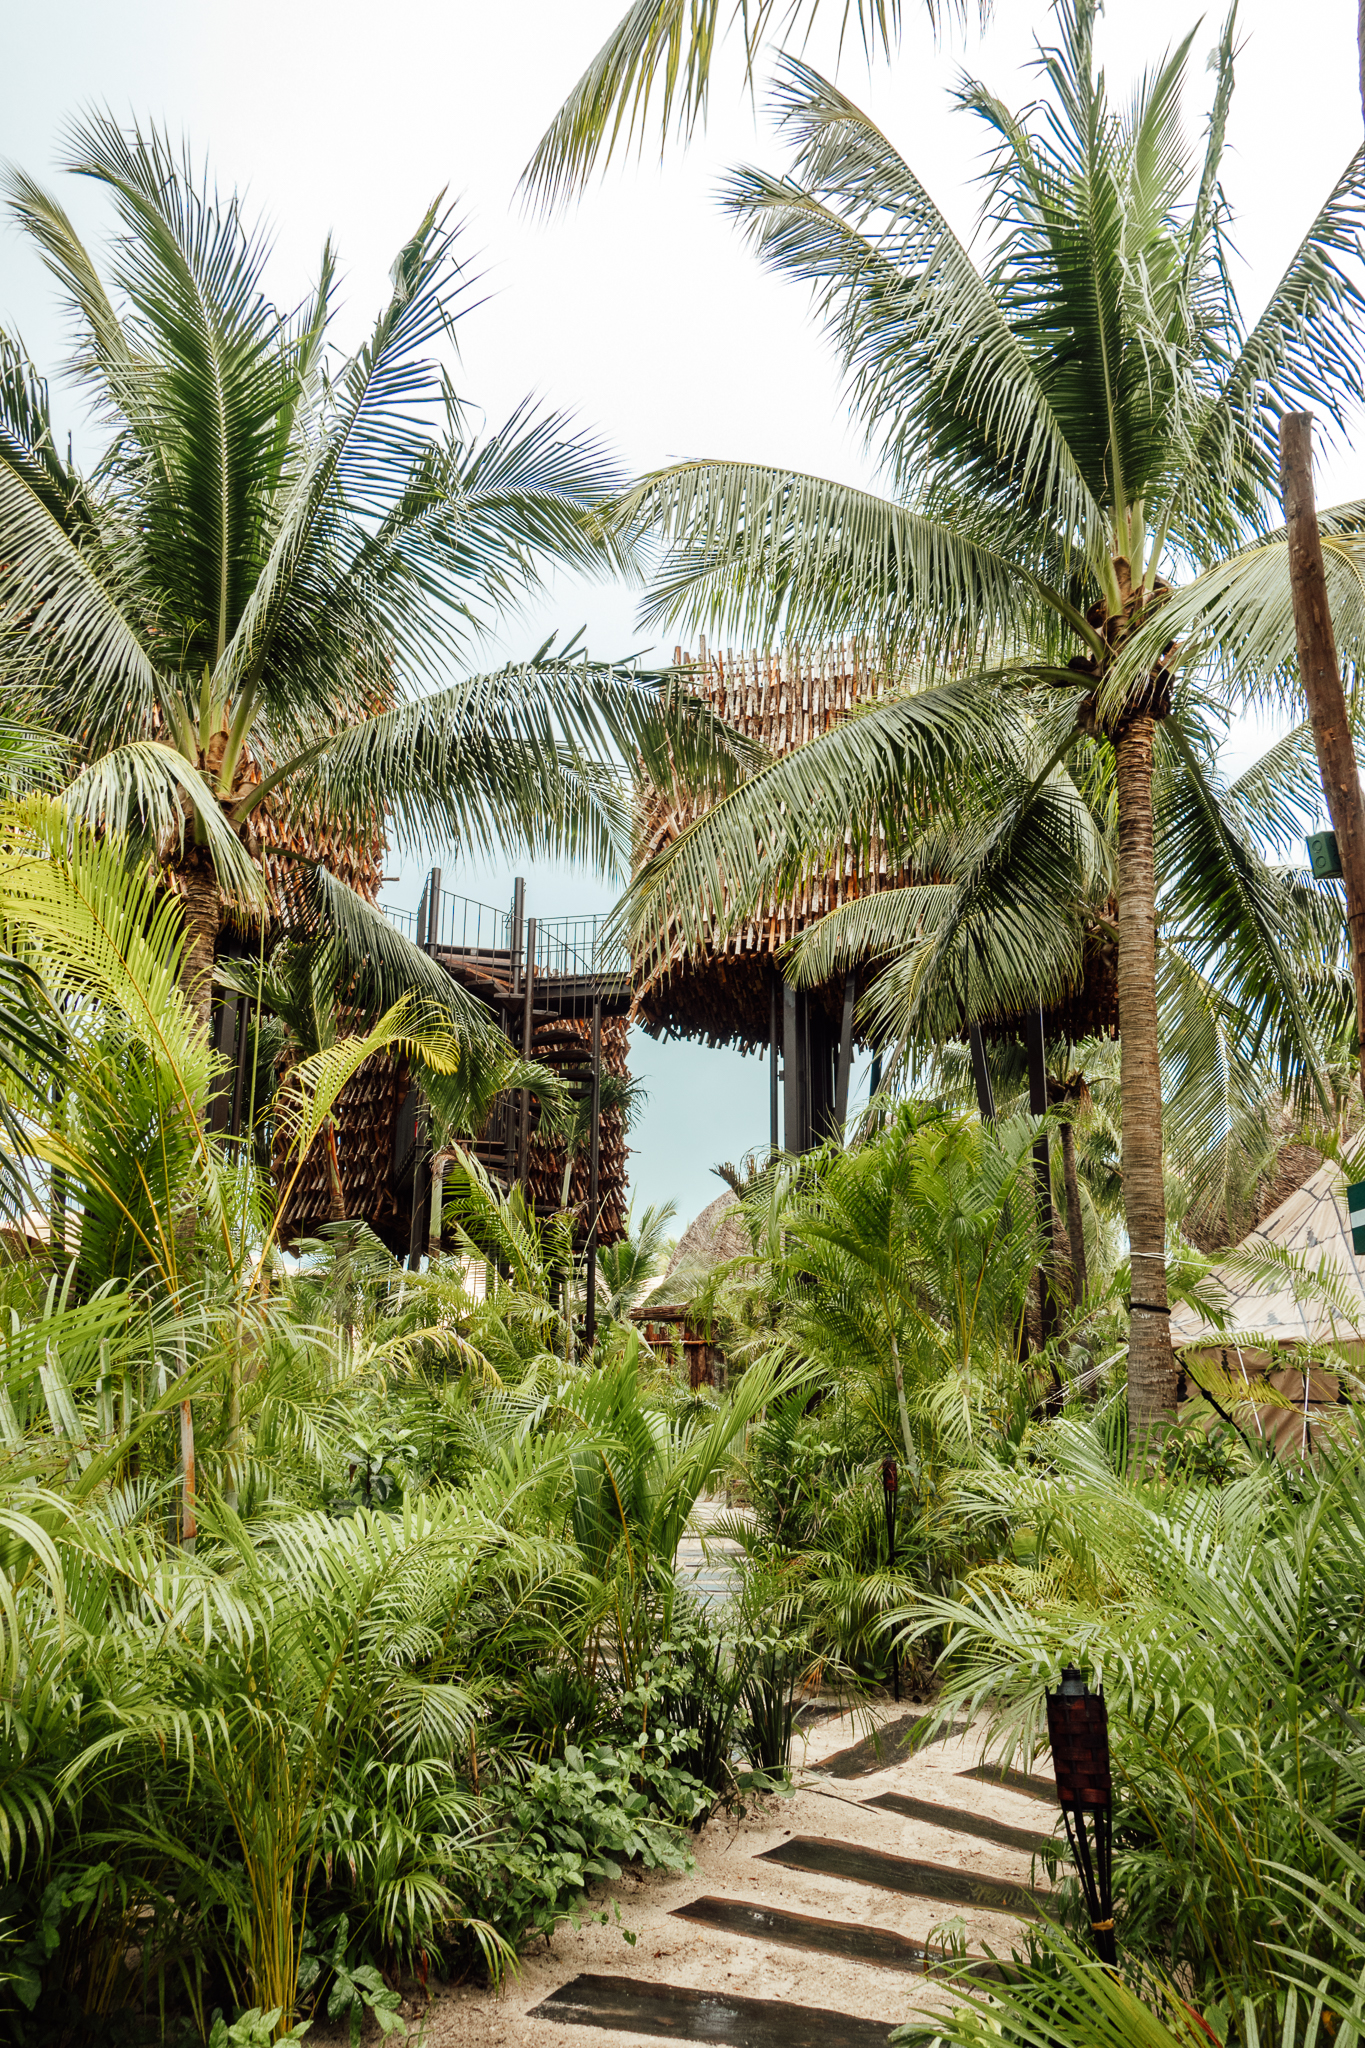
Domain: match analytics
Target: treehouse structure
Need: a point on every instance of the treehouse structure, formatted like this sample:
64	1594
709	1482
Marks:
732	992
562	998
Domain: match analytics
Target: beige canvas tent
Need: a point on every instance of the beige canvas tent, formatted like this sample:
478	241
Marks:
1272	1311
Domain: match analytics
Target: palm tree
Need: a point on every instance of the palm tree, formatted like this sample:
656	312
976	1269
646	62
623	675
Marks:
249	608
669	45
1065	428
1015	903
626	1269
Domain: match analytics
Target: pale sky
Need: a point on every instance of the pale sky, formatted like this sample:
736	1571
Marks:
639	308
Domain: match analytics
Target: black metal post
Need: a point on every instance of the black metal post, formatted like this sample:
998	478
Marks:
793	1070
981	1074
890	1485
1042	1167
594	1139
774	1054
528	987
1078	1726
845	1055
245	1035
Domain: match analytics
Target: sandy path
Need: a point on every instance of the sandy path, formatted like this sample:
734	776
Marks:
680	1952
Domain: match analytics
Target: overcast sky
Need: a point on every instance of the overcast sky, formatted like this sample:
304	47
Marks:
639	308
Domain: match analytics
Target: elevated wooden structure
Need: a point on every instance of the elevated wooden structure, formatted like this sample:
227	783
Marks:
559	994
732	991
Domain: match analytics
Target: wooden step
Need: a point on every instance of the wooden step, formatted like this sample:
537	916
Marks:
675	2012
1014	1781
962	1823
852	1941
949	1884
882	1748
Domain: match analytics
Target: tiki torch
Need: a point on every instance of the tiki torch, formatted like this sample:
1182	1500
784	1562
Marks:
1078	1724
890	1481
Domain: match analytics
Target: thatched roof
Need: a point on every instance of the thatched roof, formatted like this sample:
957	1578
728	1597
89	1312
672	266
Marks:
711	1239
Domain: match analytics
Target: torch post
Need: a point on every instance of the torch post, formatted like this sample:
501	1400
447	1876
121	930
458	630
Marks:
1078	1725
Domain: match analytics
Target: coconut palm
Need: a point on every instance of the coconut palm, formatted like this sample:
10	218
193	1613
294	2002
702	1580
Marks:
250	608
1065	428
666	47
1016	903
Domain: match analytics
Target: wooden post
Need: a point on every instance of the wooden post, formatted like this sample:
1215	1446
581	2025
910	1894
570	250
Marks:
528	986
1321	676
518	922
594	1139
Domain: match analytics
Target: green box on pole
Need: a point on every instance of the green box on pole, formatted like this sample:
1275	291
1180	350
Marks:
1355	1209
1324	857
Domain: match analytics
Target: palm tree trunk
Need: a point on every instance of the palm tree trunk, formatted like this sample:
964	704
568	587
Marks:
1320	674
1151	1367
1075	1224
336	1193
203	916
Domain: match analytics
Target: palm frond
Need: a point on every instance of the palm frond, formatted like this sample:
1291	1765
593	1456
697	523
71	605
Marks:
664	49
764	552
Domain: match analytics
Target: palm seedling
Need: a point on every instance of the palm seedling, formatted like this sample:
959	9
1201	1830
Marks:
1067	428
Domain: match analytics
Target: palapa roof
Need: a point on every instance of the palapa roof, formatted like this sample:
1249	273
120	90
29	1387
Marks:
1311	1224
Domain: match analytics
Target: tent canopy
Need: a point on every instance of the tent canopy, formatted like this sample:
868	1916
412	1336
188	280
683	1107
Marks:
1312	1226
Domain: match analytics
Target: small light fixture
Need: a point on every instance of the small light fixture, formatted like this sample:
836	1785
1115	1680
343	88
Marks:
1078	1726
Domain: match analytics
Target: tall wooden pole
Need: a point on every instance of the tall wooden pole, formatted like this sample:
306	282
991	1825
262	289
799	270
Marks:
1321	677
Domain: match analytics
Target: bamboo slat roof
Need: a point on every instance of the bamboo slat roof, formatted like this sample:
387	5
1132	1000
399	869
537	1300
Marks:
781	698
721	993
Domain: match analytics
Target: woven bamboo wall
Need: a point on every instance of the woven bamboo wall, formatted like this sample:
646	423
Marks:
566	1043
782	699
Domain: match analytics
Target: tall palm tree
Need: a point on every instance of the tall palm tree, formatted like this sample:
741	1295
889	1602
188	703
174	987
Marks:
1066	427
1013	903
251	606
